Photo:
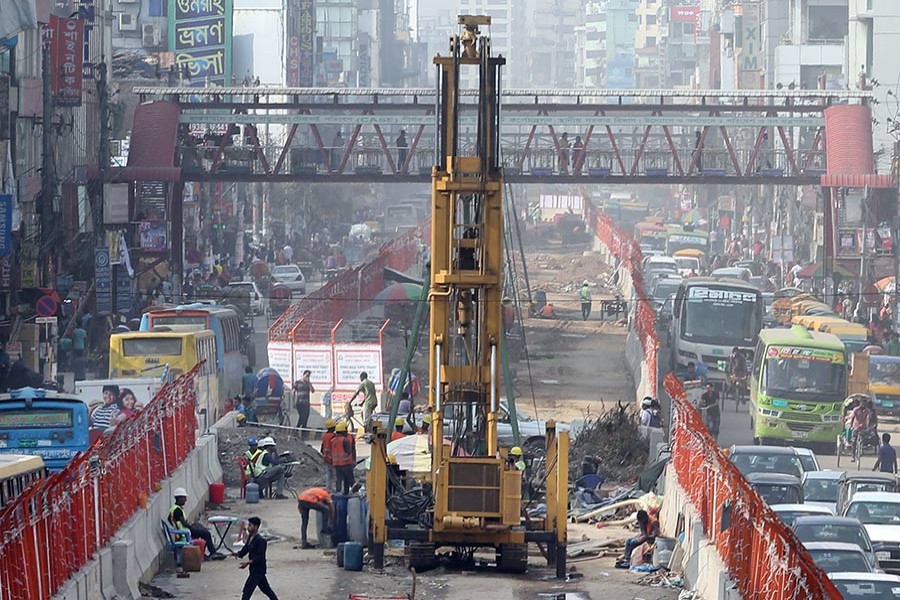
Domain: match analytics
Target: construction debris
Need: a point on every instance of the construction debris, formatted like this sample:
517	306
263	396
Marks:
612	438
233	443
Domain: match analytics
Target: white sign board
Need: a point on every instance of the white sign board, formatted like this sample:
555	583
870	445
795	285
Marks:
45	320
280	360
352	359
317	358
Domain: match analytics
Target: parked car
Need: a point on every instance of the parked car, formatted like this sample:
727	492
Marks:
766	459
292	277
258	302
777	488
839	557
866	586
821	488
789	512
835	529
879	512
852	482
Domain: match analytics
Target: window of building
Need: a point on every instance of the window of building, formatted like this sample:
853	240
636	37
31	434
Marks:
688	28
632	17
651	19
827	23
651	41
158	8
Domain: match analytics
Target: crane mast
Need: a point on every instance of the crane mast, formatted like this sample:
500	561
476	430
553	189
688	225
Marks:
476	498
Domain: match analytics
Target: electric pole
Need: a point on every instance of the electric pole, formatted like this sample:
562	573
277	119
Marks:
102	149
47	234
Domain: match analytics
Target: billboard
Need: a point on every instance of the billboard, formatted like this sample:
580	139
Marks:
200	34
749	63
67	60
306	33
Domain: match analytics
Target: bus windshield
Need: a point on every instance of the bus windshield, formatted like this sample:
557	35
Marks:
685	241
801	371
884	372
721	316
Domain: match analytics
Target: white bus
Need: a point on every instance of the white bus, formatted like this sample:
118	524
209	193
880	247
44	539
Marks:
710	318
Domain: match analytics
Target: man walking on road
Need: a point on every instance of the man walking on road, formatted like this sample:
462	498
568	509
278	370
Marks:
302	388
585	296
370	398
255	549
887	456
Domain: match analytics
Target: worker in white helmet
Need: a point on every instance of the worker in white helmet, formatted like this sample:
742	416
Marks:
178	520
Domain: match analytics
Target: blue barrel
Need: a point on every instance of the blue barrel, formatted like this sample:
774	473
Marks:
540	299
353	556
340	555
339	531
252	493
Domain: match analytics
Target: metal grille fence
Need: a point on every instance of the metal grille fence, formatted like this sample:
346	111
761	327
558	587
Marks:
762	556
58	525
350	294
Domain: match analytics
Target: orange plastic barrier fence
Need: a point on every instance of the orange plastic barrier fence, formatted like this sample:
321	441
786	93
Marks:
58	525
623	246
351	293
762	556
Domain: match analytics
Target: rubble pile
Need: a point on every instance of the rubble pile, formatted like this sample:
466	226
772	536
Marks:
572	272
613	439
233	442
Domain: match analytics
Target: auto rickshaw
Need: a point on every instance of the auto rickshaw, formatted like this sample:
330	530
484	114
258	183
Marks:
280	299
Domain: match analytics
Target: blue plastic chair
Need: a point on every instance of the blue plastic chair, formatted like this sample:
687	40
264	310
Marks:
176	540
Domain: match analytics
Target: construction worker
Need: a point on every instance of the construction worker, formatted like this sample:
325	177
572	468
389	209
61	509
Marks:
317	499
547	312
514	461
325	450
585	296
263	466
398	434
426	423
507	314
178	520
343	457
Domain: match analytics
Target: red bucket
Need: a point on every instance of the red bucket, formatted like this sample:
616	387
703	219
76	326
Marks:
217	493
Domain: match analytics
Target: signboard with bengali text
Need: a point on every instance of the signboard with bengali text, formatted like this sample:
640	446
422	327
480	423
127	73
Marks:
318	359
280	360
200	33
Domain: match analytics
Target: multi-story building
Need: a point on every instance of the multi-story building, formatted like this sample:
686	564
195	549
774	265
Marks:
606	48
874	36
508	29
679	44
648	69
813	45
553	44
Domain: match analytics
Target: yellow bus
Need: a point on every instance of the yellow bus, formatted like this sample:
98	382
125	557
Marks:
17	472
150	353
854	335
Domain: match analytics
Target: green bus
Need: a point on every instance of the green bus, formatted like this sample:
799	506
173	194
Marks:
798	386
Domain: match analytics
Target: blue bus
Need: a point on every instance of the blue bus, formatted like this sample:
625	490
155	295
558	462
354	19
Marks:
48	424
225	324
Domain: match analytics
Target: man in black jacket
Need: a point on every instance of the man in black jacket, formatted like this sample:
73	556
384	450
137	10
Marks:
255	550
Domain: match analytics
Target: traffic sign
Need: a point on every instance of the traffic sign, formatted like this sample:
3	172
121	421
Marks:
45	321
46	306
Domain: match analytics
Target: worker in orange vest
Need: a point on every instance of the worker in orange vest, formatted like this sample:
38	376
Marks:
398	434
343	457
325	450
318	499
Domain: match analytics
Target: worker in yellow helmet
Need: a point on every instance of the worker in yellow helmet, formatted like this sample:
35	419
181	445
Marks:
399	422
426	423
514	460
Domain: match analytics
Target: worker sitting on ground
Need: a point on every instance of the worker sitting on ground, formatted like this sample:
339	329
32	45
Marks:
178	520
325	450
547	312
514	460
263	467
343	457
317	499
398	434
649	529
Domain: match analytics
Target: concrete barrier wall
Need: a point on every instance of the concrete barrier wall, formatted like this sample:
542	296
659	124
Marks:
138	547
704	571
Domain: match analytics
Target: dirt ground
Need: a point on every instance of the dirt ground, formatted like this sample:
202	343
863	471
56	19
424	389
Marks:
233	443
575	364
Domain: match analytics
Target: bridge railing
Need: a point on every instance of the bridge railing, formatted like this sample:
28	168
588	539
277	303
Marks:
762	555
58	525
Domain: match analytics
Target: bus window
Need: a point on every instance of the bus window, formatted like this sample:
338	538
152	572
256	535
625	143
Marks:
784	375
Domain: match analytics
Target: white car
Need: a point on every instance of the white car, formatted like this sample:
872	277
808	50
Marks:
808	458
292	277
866	586
788	512
879	512
258	302
839	557
821	487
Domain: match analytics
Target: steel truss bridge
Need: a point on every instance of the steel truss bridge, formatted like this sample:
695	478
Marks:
349	135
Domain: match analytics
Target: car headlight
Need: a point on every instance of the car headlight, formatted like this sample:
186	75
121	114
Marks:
883	555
